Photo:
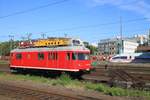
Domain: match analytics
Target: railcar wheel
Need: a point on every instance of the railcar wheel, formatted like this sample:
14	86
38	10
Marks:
76	75
13	70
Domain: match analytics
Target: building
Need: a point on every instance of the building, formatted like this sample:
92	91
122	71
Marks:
129	46
110	47
141	39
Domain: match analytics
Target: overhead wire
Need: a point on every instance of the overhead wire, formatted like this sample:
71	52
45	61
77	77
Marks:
92	26
58	2
33	9
97	25
72	28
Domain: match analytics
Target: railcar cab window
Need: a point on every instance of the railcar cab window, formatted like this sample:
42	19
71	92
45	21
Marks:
18	56
83	56
40	56
76	42
80	56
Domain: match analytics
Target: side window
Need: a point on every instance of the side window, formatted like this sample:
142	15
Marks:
68	56
123	57
40	56
49	56
74	56
53	56
18	56
56	56
116	58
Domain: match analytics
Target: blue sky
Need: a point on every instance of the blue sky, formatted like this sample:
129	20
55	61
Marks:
89	20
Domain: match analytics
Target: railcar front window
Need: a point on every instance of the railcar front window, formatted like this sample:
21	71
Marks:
123	57
76	42
83	56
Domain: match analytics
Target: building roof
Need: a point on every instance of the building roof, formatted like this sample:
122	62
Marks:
132	39
143	49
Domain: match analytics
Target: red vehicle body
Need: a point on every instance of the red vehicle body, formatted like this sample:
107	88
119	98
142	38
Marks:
68	58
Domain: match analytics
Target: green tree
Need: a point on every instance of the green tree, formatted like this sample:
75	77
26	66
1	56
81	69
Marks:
6	47
92	48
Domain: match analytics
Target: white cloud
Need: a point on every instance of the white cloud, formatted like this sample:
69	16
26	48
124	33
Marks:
137	6
94	44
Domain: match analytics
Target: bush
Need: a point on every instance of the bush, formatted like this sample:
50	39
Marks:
64	79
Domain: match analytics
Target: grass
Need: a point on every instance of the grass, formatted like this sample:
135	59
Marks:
65	81
116	91
4	62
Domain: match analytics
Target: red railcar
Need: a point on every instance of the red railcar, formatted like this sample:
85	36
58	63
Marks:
66	58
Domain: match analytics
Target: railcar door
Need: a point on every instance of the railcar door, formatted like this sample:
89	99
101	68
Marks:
68	61
53	60
41	59
74	61
18	59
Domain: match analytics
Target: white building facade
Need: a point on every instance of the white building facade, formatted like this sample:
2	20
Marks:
129	47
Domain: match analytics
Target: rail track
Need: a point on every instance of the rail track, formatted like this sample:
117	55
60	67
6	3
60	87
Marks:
125	75
20	93
26	91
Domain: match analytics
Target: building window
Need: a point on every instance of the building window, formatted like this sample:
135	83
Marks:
40	56
18	56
